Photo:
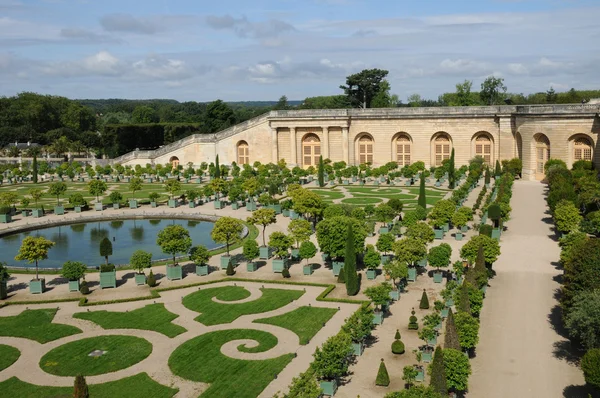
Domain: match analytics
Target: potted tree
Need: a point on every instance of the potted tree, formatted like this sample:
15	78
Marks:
380	296
263	217
115	198
33	250
135	184
459	220
5	214
495	214
153	196
58	189
306	252
200	256
4	277
359	326
300	231
172	186
97	188
227	230
286	206
172	240
218	185
108	274
410	251
250	252
384	213
429	336
235	194
439	217
140	259
73	271
384	244
191	195
77	201
36	194
331	361
397	271
371	260
439	257
280	243
251	186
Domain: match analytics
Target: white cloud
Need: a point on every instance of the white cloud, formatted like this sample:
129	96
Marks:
518	69
158	67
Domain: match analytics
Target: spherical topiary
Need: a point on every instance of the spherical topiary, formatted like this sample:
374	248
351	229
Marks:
84	288
151	280
398	347
424	304
590	364
397	336
286	272
412	321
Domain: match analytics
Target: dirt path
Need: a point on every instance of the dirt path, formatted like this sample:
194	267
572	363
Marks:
520	353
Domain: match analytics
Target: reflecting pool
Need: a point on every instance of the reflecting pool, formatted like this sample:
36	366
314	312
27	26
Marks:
81	242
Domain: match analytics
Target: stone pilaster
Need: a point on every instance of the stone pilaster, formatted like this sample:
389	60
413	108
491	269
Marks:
345	146
274	144
293	147
325	151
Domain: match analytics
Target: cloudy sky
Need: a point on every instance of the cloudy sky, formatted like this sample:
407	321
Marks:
259	50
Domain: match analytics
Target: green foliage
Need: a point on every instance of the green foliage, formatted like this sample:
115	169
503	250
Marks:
33	250
491	249
73	270
438	373
81	388
97	188
332	232
398	347
341	276
384	213
396	269
441	213
299	230
174	239
57	189
458	369
568	242
230	271
439	256
467	328
332	359
250	250
554	162
581	271
77	199
141	259
424	303
371	259
361	88
307	250
397	335
492	90
583	319
379	294
567	217
285	272
422	200
352	281
227	230
451	336
590	364
280	242
304	386
409	374
412	321
115	197
383	378
151	280
359	325
410	250
84	288
385	242
321	172
106	248
200	254
418	391
420	231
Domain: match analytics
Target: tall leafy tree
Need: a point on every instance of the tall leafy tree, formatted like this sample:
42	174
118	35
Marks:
467	327
81	388
227	230
33	250
492	90
263	217
217	168
321	172
422	200
362	87
463	94
352	285
174	239
458	369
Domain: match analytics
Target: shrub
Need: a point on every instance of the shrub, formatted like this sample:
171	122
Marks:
424	304
397	335
581	270
554	162
230	270
582	165
73	270
84	288
286	272
398	347
352	282
371	258
107	267
383	378
590	364
582	319
412	321
566	216
341	276
151	280
439	256
486	229
457	368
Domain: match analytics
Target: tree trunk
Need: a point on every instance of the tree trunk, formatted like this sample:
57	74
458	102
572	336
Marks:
263	234
36	270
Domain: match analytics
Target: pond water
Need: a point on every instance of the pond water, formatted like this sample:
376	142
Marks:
81	242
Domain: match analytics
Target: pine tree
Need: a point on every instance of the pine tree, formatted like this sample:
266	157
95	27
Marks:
34	169
451	171
230	270
451	336
438	373
487	175
464	301
498	169
217	168
151	280
321	172
351	276
341	276
383	378
422	201
81	388
480	272
424	304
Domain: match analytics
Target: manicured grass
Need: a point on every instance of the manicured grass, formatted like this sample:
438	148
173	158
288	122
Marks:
304	321
200	359
331	195
8	356
35	325
138	386
73	358
213	313
362	201
151	317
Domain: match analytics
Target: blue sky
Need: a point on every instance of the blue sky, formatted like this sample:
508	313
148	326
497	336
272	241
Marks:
240	50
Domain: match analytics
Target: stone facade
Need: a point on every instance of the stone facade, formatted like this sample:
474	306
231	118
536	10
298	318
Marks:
532	133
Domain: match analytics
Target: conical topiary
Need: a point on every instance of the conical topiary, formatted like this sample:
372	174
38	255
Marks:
286	272
438	373
451	335
342	276
151	280
383	378
230	270
464	301
424	304
412	321
397	336
81	388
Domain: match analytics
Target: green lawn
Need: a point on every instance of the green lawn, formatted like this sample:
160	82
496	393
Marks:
362	201
151	317
213	313
35	325
304	321
138	386
73	358
8	356
328	194
200	359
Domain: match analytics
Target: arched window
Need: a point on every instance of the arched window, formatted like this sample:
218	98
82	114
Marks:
365	150
582	149
403	149
243	155
542	154
174	161
442	147
483	148
311	150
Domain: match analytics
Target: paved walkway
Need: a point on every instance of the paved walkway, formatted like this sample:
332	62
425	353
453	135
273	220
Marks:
520	353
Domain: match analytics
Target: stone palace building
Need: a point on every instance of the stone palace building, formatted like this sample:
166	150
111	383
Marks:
533	133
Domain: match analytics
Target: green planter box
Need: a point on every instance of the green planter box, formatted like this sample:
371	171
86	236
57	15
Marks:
422	262
295	254
116	206
174	272
5	218
444	313
395	295
192	204
385	258
59	210
337	267
219	204
438	277
264	252
153	204
3	289
74	286
378	318
496	233
133	204
251	266
420	373
483	289
225	261
277	208
329	387
235	205
37	213
371	274
439	233
279	264
286	213
446	227
293	215
464	229
384	230
173	203
458	236
426	356
202	270
98	207
37	286
140	279
307	269
449	303
108	279
251	206
437	183
358	348
412	274
433	341
324	257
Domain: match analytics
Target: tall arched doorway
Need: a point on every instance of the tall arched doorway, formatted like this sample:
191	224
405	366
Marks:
442	147
365	149
311	150
542	154
174	161
582	149
243	153
483	147
403	147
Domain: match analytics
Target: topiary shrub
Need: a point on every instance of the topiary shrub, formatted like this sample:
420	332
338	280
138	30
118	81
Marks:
151	280
341	276
486	229
398	347
412	321
286	272
84	288
590	364
383	378
397	336
424	304
230	270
